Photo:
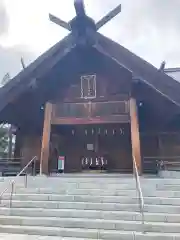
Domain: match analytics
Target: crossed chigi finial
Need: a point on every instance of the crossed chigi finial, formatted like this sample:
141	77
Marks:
81	14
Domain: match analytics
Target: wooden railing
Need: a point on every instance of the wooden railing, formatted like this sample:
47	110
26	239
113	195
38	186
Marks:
91	109
155	164
10	166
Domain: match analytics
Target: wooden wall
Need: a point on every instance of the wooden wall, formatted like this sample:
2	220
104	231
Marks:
114	83
110	104
159	146
30	147
112	141
63	86
169	144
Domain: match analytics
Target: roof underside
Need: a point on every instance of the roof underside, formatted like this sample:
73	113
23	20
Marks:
142	70
174	73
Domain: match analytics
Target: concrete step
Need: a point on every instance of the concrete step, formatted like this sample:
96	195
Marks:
102	178
92	184
90	214
161	184
8	236
91	206
75	233
104	185
92	179
83	223
71	205
98	192
95	199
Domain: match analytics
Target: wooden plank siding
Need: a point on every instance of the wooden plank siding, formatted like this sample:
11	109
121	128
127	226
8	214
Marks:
91	112
44	161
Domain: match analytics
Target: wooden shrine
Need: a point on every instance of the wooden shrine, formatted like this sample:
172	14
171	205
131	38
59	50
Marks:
92	104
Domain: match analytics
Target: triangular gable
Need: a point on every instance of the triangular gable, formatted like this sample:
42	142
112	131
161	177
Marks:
35	70
141	69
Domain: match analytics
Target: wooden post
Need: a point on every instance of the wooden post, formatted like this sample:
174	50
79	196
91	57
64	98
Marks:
135	136
44	169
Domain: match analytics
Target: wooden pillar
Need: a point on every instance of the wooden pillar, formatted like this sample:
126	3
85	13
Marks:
44	168
135	136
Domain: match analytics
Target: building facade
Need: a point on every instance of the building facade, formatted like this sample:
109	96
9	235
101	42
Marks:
93	104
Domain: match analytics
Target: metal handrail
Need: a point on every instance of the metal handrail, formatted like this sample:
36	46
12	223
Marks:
140	194
12	182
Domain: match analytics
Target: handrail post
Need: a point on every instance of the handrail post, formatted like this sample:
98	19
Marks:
34	168
25	180
12	182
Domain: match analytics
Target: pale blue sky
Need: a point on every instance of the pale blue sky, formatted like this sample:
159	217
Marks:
149	28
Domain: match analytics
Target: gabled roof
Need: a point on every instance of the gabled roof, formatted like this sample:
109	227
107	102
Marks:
140	69
173	72
35	70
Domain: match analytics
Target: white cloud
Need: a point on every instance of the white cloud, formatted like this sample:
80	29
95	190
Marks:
29	23
150	28
3	19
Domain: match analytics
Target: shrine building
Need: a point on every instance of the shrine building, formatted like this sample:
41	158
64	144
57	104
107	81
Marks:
93	104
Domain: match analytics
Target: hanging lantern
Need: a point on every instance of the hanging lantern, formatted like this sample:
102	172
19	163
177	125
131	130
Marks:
86	161
86	132
92	131
102	161
73	132
114	132
82	161
106	131
121	132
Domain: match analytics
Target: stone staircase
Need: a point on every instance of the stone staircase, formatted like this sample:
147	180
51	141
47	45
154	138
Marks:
91	207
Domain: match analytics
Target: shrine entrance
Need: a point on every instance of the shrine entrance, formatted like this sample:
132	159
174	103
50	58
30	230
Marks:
92	148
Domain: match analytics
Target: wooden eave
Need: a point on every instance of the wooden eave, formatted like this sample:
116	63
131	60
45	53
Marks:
142	70
171	70
36	70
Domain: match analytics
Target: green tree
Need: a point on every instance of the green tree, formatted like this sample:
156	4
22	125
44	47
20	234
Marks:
3	141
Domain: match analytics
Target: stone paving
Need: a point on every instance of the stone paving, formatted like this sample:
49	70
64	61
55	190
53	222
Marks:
29	237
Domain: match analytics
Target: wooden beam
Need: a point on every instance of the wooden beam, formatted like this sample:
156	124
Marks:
44	169
108	17
96	120
162	67
135	136
59	22
80	7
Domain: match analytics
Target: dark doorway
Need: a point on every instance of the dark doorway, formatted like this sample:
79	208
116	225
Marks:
105	147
